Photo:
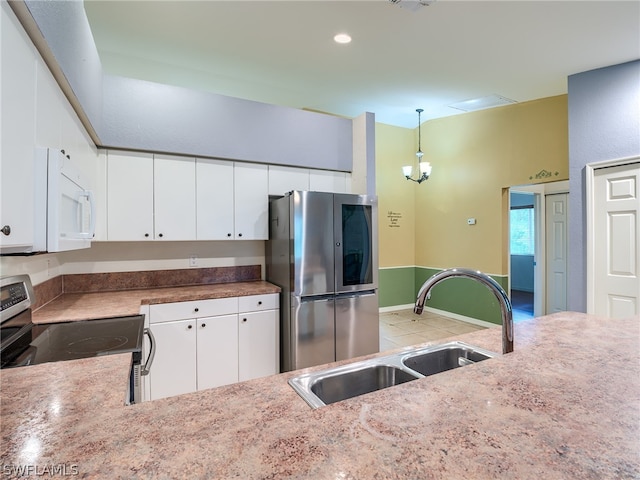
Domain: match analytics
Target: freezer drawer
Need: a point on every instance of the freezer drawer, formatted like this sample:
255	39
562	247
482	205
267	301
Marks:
312	337
357	325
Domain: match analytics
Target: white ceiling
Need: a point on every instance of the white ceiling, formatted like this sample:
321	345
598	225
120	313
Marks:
282	52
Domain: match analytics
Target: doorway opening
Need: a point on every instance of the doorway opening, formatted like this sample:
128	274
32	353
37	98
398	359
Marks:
537	248
522	242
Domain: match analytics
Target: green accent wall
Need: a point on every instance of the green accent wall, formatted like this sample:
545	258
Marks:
463	296
396	286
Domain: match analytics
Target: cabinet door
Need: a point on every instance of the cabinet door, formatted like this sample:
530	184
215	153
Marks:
217	353
17	101
174	367
258	344
285	179
129	197
174	193
328	181
214	199
251	201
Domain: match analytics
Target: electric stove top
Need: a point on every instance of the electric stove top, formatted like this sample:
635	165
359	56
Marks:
79	339
23	343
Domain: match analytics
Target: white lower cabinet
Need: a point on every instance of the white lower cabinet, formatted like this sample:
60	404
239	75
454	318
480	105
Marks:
173	370
217	351
210	343
258	333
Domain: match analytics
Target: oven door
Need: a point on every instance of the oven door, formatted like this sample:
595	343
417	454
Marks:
138	370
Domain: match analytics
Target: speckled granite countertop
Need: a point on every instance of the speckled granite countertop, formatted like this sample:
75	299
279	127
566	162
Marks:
565	404
86	306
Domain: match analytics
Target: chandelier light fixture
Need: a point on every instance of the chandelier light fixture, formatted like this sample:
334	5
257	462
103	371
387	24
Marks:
424	168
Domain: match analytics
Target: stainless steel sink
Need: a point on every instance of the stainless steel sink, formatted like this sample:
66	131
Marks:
444	357
340	386
358	378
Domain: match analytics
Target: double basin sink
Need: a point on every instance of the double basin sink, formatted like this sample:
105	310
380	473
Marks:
347	381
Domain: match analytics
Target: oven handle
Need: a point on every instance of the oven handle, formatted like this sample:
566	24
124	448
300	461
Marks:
152	352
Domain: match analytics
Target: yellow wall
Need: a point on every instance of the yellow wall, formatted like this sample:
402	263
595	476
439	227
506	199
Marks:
474	157
395	147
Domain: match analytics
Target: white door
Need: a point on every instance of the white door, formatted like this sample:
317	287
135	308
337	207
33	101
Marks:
18	127
174	193
214	204
129	196
285	179
258	350
251	201
217	352
556	252
173	371
616	240
328	181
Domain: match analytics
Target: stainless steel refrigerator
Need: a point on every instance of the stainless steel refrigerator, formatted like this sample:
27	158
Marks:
323	253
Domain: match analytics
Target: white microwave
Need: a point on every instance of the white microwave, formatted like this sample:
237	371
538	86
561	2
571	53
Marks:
65	213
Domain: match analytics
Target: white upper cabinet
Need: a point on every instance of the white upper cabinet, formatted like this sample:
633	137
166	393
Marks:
129	196
48	110
17	100
286	179
35	113
214	199
174	194
251	201
150	198
328	181
232	200
177	198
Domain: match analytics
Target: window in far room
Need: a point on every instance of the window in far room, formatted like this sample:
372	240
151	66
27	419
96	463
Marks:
522	230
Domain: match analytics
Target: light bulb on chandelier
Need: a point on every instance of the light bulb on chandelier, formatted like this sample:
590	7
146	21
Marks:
424	168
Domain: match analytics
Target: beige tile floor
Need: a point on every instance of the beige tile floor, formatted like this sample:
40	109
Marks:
403	328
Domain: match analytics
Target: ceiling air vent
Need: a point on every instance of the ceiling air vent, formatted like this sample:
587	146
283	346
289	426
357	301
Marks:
481	103
412	5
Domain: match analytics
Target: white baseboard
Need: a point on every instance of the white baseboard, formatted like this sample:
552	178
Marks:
394	308
444	313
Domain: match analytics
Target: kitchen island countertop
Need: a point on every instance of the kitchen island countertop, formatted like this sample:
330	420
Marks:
565	404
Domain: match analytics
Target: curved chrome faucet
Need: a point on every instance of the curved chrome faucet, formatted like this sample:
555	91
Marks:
505	304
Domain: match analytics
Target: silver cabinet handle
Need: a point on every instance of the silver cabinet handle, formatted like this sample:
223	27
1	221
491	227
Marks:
6	230
152	352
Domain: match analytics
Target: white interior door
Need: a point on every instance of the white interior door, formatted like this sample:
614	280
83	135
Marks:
616	241
556	258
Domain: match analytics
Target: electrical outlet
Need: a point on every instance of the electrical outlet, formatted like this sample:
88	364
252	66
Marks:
193	261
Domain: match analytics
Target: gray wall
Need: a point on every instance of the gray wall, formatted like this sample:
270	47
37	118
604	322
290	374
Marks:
151	116
135	114
604	124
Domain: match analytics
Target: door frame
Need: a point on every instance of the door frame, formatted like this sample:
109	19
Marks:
590	171
540	192
539	253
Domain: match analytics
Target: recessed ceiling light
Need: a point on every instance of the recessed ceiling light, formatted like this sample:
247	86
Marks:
342	38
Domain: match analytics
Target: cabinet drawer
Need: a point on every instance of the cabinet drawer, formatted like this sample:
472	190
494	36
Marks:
166	312
254	303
